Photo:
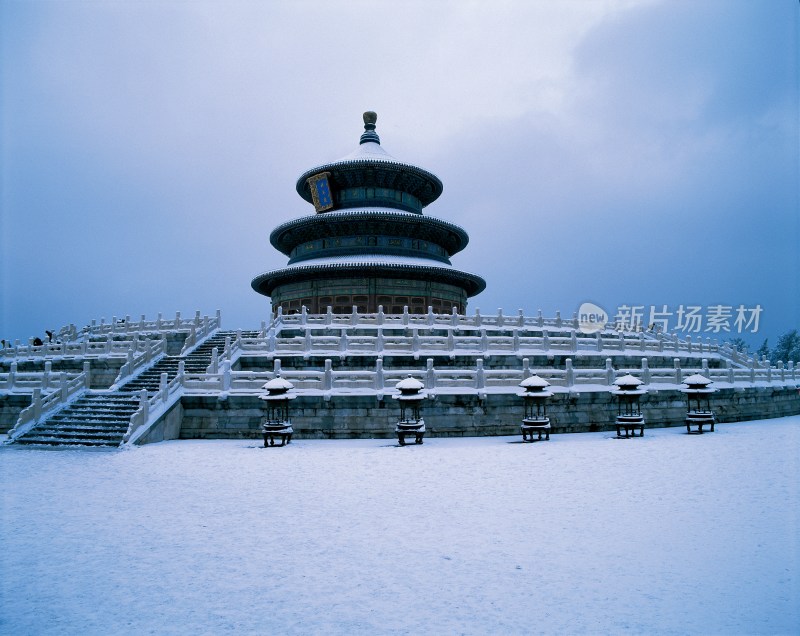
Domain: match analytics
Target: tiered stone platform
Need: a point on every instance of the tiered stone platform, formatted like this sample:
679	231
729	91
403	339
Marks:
344	369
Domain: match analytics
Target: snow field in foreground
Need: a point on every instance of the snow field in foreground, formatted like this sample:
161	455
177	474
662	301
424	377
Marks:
669	533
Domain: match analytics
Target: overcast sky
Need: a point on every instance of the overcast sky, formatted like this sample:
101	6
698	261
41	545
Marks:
621	152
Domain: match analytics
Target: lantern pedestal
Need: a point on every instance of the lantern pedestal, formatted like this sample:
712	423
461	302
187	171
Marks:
629	424
272	430
407	428
535	425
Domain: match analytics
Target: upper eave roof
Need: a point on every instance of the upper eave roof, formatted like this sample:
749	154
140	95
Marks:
370	165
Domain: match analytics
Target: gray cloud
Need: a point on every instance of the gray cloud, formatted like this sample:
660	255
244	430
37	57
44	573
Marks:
617	152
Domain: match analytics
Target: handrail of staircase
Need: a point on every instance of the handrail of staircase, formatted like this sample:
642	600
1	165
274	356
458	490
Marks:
200	331
26	381
151	352
128	325
230	353
43	406
152	408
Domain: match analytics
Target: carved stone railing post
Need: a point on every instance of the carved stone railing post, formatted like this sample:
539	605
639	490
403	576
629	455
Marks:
430	374
327	383
144	405
676	363
480	378
226	375
36	401
609	372
379	378
645	371
570	374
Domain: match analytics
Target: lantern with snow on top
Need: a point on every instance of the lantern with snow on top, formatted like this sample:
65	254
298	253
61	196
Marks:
410	422
277	423
535	419
628	391
698	392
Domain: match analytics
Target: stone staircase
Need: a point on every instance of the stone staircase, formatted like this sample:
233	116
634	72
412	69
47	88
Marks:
101	418
97	419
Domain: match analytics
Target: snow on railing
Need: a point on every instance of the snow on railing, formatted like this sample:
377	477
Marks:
452	342
199	330
127	325
477	378
149	352
152	408
230	352
551	329
110	346
42	406
26	381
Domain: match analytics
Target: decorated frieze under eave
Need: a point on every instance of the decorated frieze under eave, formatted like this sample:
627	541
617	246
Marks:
267	282
289	235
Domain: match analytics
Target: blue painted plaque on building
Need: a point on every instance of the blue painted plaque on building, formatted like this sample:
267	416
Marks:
321	191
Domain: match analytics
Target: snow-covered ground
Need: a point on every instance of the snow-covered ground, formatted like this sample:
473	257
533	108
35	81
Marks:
669	533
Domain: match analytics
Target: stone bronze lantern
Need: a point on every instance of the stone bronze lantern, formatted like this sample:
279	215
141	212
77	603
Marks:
535	419
698	392
628	391
410	422
277	423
